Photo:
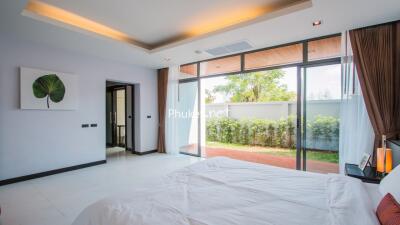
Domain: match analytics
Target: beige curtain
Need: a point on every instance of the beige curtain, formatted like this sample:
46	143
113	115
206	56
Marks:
162	102
377	59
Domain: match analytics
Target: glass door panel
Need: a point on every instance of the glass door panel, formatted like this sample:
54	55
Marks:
187	117
251	117
320	115
120	125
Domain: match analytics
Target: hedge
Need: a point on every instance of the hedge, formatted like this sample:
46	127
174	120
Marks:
272	133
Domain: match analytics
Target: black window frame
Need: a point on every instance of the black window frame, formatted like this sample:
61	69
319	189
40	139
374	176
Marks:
301	152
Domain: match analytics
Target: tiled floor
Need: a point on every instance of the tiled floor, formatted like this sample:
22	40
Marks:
57	199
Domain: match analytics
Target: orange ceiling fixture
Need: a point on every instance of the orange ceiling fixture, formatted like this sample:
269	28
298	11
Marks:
226	19
35	7
203	25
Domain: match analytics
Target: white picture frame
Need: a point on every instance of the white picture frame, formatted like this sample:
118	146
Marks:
29	99
364	161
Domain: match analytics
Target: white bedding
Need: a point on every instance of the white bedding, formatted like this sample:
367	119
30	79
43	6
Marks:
373	192
224	191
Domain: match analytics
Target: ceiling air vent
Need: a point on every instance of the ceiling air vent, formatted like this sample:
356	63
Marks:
229	49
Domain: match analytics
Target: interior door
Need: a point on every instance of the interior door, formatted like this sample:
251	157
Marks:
120	116
110	118
130	131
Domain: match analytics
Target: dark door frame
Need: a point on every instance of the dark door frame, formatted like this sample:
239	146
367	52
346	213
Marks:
111	117
130	117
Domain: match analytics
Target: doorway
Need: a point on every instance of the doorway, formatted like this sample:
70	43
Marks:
286	117
119	118
251	116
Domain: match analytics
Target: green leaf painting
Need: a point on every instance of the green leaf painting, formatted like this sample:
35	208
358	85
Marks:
49	86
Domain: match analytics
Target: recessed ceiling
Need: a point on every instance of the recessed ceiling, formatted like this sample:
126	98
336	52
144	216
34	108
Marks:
336	16
159	23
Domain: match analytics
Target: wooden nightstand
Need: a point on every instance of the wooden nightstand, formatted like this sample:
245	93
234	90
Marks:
368	175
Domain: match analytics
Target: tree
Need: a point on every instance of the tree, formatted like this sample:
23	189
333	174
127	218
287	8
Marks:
210	98
256	87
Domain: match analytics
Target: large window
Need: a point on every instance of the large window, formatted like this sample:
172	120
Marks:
274	57
187	118
324	48
321	109
220	66
188	71
252	116
277	106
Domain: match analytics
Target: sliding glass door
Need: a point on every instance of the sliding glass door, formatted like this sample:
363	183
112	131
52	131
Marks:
251	116
277	106
187	117
285	117
320	112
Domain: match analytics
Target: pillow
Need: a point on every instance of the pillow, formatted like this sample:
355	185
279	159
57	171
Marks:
388	211
391	184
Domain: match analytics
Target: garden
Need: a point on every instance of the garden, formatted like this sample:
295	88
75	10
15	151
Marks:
275	137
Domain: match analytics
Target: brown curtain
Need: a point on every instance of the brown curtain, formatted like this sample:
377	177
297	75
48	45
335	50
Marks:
377	59
162	103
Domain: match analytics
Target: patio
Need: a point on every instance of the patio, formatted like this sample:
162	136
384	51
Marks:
263	158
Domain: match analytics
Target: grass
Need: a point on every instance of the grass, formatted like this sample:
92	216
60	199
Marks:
332	157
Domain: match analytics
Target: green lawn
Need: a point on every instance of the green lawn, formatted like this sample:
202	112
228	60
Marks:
332	157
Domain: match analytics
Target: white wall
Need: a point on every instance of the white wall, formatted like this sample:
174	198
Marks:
33	141
272	110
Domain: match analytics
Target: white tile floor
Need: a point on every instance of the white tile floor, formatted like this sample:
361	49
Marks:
57	199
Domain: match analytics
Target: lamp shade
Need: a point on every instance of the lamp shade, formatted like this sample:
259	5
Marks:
388	160
380	161
380	167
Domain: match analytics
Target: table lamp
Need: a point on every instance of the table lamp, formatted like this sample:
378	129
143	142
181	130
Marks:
384	158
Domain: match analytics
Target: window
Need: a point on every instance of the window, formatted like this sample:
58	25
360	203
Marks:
188	71
186	115
274	57
220	66
324	48
236	102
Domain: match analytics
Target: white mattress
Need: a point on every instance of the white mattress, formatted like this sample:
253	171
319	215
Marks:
224	191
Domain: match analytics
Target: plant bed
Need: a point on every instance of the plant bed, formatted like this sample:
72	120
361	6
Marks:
323	156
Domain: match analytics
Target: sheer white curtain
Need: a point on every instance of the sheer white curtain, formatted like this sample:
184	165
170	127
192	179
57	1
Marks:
171	121
356	132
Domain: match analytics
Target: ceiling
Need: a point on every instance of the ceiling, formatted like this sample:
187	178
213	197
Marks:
172	20
168	28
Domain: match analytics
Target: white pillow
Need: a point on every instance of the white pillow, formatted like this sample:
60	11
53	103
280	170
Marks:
391	184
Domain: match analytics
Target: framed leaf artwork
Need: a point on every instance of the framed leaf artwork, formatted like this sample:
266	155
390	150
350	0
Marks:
48	90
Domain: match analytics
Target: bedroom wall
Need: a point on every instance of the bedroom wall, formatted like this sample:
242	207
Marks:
33	141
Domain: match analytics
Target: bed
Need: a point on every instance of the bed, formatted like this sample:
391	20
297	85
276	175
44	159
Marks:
224	191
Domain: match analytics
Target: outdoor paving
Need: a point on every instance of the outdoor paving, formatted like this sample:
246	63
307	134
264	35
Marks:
273	160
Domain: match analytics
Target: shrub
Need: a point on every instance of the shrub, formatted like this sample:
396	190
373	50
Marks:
244	127
324	126
291	129
270	133
211	129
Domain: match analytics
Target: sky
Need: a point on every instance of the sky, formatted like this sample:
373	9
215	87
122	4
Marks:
322	82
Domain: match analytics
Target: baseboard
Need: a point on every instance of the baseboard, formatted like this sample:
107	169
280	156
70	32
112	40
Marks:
51	172
144	153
